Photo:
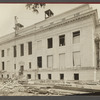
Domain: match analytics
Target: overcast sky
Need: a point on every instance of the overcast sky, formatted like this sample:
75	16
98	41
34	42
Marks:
27	17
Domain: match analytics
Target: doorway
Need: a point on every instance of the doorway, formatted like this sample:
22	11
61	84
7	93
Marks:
21	70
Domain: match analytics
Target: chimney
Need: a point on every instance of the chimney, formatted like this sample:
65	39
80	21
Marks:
48	13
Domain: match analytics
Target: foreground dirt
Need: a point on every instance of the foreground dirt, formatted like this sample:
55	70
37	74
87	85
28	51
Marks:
14	88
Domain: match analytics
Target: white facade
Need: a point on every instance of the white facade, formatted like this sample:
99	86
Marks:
71	55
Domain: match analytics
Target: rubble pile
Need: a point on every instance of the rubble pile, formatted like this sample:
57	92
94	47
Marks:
11	87
46	91
46	87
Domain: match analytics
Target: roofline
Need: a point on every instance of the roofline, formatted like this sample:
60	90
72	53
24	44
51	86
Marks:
67	21
83	5
38	30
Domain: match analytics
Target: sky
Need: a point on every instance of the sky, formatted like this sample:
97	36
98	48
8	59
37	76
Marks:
27	17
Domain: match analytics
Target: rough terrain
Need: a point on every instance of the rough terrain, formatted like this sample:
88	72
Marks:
47	88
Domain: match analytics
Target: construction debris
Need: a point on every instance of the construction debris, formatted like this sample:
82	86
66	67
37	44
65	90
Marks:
11	87
46	88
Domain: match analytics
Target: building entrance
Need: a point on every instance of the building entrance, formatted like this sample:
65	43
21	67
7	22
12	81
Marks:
21	70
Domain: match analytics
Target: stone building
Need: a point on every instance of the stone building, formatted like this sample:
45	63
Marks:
61	47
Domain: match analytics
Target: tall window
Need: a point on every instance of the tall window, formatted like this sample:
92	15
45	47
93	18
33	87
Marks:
39	62
3	66
50	61
22	49
61	40
2	52
50	44
29	48
76	37
76	59
30	65
15	51
62	60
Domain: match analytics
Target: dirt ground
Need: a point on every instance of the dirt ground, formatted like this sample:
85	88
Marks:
14	88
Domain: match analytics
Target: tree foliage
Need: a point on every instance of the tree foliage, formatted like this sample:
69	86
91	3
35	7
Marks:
34	7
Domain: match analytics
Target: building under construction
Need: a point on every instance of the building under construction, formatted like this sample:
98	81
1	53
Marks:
62	47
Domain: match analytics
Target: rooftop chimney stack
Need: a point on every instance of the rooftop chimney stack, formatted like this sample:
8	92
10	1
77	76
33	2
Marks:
48	13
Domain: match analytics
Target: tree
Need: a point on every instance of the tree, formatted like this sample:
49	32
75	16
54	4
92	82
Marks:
34	7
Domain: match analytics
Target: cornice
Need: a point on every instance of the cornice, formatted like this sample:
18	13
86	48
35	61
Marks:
63	21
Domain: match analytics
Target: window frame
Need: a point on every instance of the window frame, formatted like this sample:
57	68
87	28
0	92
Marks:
50	43
39	76
30	65
49	76
3	65
39	62
15	51
62	76
29	76
2	53
74	59
21	49
75	34
62	67
76	76
62	40
48	63
30	48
